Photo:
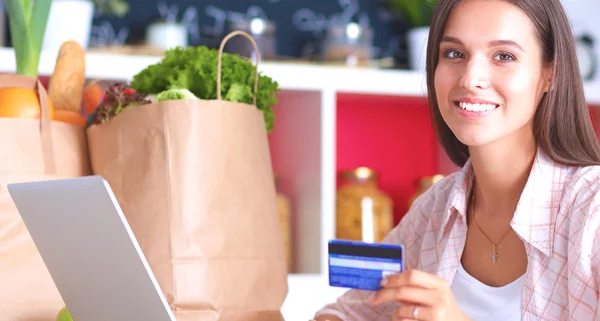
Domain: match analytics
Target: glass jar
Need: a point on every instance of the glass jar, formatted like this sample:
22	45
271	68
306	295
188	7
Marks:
350	44
424	184
263	32
284	212
363	211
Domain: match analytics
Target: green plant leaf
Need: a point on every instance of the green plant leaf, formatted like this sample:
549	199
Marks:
27	5
15	10
27	20
38	22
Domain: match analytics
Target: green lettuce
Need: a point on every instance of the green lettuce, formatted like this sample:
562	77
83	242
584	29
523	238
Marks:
175	94
195	69
239	93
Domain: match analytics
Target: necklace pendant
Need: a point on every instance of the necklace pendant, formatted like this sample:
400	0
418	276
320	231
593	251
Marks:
494	255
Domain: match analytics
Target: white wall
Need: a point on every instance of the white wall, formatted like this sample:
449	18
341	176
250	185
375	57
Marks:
584	18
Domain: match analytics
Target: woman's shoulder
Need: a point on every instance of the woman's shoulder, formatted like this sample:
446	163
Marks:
580	201
578	219
585	175
581	184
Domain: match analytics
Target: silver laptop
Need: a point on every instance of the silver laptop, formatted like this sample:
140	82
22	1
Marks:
89	250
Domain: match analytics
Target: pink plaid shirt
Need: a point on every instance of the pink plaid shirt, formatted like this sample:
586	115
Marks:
557	218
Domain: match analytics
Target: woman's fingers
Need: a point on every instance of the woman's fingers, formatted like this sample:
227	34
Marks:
406	294
413	278
405	312
430	295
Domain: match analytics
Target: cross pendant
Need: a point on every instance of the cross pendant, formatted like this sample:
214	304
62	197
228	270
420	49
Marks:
494	255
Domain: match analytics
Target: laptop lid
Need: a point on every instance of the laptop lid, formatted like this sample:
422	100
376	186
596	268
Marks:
90	250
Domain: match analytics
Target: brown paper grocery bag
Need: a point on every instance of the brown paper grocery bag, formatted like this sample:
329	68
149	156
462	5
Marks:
32	150
195	182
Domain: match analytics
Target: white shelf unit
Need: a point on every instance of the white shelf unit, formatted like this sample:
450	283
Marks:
303	149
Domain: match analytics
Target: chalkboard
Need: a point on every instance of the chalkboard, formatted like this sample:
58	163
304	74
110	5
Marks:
301	24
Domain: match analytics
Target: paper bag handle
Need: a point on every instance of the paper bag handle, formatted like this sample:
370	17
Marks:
46	130
256	54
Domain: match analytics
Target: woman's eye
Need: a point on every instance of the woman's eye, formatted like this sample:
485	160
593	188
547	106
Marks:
504	57
453	54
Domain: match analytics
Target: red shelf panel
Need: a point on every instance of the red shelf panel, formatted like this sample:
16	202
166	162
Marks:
392	135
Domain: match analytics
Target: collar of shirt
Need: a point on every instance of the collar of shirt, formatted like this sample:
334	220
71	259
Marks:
534	219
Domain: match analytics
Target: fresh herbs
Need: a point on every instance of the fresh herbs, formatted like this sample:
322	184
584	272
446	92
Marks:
195	69
27	20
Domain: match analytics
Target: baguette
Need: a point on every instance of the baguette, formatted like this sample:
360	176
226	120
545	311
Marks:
67	82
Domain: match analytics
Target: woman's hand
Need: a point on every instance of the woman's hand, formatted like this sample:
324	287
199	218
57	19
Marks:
423	297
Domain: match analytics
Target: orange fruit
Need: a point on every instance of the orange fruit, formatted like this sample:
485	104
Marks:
70	117
92	95
22	103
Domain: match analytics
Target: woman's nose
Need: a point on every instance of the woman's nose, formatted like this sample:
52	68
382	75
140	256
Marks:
476	74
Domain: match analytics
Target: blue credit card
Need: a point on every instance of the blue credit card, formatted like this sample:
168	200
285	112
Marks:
360	265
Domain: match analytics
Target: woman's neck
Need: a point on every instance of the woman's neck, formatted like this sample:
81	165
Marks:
501	172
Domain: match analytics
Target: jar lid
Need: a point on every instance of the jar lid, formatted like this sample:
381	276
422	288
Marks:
430	180
361	173
254	26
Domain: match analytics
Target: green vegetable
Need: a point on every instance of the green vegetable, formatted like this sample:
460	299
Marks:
195	69
64	315
175	94
27	20
239	93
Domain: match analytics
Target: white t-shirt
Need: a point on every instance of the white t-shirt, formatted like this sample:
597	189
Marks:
482	302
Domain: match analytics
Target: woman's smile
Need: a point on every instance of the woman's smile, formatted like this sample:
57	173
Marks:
471	107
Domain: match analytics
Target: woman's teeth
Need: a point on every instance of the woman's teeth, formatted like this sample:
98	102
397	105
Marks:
477	107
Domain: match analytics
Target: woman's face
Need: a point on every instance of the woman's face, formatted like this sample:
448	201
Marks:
490	76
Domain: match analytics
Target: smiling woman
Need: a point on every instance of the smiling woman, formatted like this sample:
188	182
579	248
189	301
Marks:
528	50
516	233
